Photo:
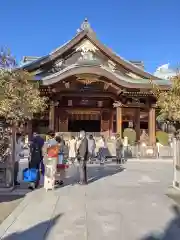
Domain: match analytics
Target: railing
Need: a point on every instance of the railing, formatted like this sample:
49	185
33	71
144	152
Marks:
142	151
67	135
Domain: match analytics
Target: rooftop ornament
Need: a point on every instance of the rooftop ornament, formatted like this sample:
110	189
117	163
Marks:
85	25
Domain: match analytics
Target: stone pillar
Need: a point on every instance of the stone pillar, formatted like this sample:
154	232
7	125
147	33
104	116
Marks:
152	125
29	130
119	120
51	116
137	123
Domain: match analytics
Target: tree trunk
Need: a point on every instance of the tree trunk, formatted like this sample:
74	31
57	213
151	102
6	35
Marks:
11	160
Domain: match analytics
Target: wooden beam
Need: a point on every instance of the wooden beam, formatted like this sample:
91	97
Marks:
119	120
137	123
152	126
90	95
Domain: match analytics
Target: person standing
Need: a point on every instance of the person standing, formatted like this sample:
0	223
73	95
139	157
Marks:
91	148
40	141
119	149
82	153
35	160
61	164
52	143
102	149
18	150
72	149
158	145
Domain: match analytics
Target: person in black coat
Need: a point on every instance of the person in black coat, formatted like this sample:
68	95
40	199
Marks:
35	160
82	156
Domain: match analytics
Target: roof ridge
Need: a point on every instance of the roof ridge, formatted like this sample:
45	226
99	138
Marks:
86	31
85	27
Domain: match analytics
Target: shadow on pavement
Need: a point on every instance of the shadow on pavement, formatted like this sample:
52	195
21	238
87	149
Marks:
40	231
94	172
7	204
103	171
171	231
10	198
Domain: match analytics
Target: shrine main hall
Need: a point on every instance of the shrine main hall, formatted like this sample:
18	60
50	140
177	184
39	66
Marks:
92	88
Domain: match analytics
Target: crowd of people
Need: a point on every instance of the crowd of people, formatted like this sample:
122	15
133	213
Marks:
53	151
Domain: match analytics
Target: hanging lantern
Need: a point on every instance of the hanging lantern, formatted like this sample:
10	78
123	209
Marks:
69	103
100	103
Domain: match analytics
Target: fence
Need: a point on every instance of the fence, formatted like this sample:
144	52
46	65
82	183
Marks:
136	151
67	135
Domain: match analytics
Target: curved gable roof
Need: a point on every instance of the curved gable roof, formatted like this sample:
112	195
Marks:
87	33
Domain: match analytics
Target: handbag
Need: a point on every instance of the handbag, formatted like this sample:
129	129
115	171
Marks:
30	175
62	162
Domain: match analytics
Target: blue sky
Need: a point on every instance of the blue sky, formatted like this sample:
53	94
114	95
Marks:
147	30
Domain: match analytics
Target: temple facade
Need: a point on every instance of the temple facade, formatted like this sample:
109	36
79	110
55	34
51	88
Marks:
92	88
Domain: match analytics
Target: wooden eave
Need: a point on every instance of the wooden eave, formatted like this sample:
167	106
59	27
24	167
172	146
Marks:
107	51
111	76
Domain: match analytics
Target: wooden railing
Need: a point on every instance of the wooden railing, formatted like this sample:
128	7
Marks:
135	151
67	135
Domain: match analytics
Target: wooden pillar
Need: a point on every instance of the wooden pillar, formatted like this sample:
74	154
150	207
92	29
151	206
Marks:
152	125
111	123
56	123
119	120
137	123
63	121
51	116
105	121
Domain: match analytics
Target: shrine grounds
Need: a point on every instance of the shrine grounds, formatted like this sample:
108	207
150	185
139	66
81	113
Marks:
130	202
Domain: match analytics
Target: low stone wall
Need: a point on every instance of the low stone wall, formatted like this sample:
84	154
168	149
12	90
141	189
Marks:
138	151
6	175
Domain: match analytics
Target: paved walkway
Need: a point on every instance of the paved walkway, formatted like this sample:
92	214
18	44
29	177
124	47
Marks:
122	204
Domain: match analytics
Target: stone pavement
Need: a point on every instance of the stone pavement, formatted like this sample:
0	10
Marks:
122	204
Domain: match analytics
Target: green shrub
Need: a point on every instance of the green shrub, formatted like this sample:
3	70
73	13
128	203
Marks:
162	137
130	134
